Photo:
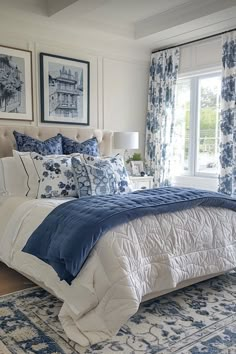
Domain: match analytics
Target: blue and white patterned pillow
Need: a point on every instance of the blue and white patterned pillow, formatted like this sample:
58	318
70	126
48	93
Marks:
81	178
104	164
55	175
70	146
99	180
92	180
25	143
118	168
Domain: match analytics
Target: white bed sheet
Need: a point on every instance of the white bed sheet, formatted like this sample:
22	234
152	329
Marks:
130	262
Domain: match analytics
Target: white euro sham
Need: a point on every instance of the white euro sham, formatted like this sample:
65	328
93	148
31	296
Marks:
13	178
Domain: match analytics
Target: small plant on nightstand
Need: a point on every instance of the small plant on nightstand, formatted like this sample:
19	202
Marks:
135	157
135	163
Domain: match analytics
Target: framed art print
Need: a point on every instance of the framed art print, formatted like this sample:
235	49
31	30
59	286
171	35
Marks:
64	90
136	167
16	84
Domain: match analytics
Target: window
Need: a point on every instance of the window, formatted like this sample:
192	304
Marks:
196	130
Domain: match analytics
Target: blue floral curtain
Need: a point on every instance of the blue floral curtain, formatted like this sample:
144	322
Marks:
227	179
160	118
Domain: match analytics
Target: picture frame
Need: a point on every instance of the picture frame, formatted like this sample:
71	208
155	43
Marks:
16	84
136	167
64	86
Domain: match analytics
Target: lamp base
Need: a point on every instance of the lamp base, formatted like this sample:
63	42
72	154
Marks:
126	158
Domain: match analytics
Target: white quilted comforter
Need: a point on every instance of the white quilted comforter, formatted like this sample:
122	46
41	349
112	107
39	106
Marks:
130	262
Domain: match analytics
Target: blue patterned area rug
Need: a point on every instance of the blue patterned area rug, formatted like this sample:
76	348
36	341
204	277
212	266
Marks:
197	319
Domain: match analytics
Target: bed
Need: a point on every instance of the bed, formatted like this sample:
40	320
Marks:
133	262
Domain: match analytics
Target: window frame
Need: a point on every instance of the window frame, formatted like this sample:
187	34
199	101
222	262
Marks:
195	122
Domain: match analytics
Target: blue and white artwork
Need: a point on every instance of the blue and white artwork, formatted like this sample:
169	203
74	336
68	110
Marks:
15	84
64	90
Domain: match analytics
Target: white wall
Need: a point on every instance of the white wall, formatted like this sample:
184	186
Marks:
125	98
118	69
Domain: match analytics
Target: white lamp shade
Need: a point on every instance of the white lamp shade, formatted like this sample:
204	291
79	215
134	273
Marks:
126	140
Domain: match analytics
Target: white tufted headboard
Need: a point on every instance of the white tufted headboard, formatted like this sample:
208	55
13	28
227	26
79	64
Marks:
7	140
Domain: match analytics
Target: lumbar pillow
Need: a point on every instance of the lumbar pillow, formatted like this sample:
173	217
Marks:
118	168
93	180
55	175
25	143
70	146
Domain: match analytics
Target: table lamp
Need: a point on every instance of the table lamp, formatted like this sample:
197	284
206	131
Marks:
126	140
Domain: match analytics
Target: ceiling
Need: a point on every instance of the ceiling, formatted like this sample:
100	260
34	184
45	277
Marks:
127	13
155	23
152	24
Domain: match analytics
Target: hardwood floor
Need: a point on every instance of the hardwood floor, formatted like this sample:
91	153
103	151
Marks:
11	281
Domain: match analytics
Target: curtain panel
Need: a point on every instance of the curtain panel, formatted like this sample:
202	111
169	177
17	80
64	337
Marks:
227	179
160	117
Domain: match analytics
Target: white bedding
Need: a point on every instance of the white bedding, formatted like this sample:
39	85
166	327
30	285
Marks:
129	263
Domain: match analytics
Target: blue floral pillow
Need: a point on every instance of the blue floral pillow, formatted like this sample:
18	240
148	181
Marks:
92	180
107	166
25	143
89	147
55	175
99	180
118	168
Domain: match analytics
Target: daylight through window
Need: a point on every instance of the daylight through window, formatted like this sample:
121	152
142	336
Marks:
196	138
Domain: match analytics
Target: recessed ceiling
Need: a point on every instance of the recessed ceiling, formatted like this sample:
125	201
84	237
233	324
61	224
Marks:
126	13
154	23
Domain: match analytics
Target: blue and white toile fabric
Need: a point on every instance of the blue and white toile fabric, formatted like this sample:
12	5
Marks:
160	117
122	177
193	320
90	179
70	146
118	176
51	146
227	179
105	164
98	180
56	178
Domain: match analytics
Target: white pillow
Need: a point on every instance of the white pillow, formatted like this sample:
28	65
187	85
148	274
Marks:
2	180
25	159
55	175
13	178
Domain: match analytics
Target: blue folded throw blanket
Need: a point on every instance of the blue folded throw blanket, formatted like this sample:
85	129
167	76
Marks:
68	234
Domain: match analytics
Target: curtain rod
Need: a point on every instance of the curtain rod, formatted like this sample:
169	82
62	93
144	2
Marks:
195	40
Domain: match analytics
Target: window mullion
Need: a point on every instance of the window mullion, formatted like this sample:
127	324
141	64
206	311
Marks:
193	126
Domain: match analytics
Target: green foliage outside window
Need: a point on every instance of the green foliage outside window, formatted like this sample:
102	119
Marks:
208	120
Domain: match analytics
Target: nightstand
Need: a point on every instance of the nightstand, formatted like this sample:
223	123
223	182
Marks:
139	182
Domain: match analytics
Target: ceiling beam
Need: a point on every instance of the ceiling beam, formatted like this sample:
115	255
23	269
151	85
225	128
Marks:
54	6
81	7
180	15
